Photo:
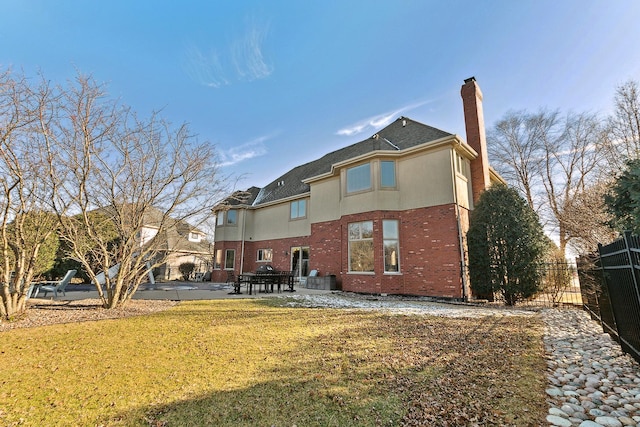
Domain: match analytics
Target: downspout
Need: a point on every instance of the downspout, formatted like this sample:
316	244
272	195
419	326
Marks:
460	241
244	225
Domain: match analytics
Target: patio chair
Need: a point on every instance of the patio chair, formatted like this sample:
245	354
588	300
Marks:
57	286
303	279
101	278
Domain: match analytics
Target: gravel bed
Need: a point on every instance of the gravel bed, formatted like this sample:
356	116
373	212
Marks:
402	305
47	312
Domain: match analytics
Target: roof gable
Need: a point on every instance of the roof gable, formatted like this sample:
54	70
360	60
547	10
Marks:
402	134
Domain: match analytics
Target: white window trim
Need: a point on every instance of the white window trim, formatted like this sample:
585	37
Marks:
397	240
372	239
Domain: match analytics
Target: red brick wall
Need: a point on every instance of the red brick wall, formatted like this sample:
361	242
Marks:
474	125
429	253
220	275
281	255
326	251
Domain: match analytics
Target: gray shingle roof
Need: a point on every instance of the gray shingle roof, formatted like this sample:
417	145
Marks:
401	134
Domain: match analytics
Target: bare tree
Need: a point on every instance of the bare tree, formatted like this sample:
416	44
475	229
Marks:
125	183
24	225
570	163
623	125
516	148
587	219
550	159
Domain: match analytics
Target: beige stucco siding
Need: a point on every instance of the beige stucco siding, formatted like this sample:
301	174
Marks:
272	222
463	188
266	223
326	196
423	179
233	232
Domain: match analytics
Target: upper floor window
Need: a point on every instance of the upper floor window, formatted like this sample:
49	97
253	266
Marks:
232	217
361	246
298	209
461	165
387	174
194	237
265	255
229	217
359	178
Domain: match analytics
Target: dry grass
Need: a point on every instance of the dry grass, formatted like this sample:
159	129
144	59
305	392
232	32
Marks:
243	362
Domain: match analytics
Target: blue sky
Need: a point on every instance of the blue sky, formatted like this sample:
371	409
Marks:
277	84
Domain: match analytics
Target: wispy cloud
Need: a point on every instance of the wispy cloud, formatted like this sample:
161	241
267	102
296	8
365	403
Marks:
206	69
246	151
246	52
243	60
379	121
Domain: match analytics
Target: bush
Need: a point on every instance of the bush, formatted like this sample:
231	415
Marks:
186	269
506	247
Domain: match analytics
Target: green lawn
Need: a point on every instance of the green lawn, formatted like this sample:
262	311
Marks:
252	363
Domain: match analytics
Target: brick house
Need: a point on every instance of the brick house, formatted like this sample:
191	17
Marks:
388	214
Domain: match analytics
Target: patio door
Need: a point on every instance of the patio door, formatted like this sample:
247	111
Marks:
300	261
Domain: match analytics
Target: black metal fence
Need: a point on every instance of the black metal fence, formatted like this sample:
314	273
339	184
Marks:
609	284
559	288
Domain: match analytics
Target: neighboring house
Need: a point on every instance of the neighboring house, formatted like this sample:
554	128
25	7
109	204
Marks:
181	243
387	215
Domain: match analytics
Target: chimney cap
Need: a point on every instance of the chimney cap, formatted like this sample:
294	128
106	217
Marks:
470	79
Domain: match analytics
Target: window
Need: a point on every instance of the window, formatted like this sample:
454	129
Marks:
461	165
299	209
265	255
391	238
361	246
217	262
229	259
194	237
232	217
387	174
359	178
220	218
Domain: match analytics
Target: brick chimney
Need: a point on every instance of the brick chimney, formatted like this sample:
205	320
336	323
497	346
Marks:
474	124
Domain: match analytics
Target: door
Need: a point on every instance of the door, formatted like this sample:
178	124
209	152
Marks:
300	261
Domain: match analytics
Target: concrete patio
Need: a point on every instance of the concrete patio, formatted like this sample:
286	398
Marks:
180	291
